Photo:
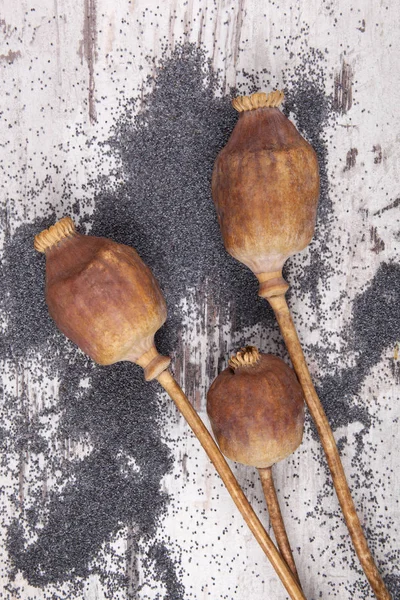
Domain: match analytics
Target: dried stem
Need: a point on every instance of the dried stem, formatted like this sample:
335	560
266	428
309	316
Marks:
274	291
276	518
196	424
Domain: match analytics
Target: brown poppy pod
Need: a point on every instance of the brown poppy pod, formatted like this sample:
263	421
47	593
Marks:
265	187
101	294
105	299
256	411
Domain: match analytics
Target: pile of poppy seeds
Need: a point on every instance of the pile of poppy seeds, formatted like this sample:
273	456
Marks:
164	209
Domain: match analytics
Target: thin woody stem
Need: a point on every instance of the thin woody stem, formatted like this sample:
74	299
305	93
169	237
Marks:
275	294
196	424
276	518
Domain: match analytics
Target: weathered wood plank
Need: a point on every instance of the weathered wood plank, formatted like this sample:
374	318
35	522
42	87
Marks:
83	510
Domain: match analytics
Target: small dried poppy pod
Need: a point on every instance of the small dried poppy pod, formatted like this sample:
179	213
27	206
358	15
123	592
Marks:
256	409
102	296
265	186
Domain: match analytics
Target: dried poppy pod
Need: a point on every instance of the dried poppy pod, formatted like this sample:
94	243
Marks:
256	411
105	299
265	187
101	294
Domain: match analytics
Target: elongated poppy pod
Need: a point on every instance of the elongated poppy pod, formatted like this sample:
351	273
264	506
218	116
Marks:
265	186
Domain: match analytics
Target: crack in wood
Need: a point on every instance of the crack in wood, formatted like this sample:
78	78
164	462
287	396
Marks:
89	45
379	244
351	159
343	89
393	204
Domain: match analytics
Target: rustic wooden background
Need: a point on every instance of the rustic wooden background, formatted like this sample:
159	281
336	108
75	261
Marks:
113	112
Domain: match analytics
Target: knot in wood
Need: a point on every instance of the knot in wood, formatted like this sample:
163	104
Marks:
258	100
245	357
54	234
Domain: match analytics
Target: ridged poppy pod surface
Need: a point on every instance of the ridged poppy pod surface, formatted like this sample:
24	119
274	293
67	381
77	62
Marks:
256	409
105	299
101	294
265	186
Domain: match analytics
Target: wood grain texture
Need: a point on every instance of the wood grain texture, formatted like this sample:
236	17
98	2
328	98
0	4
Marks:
75	78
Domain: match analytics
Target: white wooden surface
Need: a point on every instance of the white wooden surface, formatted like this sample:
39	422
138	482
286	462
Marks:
67	70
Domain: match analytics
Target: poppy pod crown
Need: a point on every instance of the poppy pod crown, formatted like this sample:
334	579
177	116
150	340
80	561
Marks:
265	186
101	294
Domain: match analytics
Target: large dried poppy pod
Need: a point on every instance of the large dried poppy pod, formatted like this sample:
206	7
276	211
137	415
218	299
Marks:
256	411
105	299
265	186
101	295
